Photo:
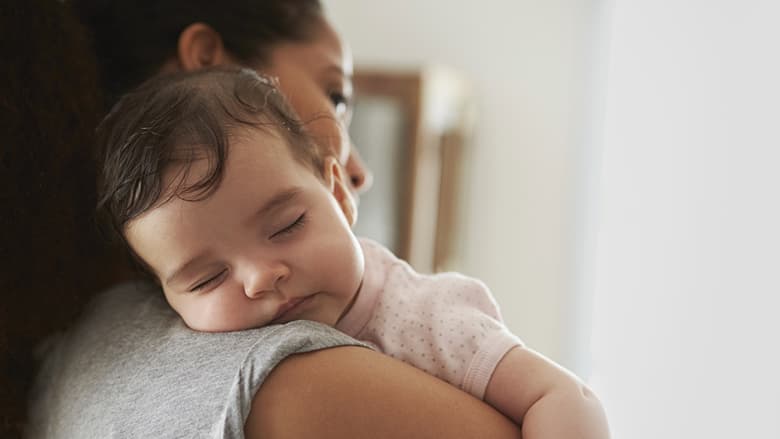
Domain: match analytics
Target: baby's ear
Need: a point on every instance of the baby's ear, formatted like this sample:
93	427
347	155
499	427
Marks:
335	179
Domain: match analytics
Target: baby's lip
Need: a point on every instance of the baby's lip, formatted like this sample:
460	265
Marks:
287	307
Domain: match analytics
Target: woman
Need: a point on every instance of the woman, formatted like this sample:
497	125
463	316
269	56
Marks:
123	368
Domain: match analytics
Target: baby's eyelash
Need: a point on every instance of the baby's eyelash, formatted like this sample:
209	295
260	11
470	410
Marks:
298	223
207	282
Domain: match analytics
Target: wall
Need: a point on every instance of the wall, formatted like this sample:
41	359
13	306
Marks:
626	163
686	248
529	62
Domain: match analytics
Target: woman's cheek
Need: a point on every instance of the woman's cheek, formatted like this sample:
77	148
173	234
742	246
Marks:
329	135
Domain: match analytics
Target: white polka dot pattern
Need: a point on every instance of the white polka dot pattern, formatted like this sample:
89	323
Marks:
446	324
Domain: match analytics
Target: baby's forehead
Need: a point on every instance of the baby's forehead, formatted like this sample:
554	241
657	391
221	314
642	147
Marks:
203	168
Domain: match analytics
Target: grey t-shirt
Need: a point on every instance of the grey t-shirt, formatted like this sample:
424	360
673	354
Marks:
132	369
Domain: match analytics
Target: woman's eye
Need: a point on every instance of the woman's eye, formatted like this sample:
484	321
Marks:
290	228
340	102
208	282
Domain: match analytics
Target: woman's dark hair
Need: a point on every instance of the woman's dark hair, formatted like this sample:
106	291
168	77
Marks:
53	260
133	38
177	119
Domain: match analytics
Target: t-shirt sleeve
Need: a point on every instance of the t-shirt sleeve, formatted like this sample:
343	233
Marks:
131	368
280	342
481	337
447	324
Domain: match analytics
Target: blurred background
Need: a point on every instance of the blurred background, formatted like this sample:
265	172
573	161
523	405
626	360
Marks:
609	169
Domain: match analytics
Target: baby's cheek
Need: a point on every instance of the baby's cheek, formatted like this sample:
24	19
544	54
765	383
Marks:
212	314
200	318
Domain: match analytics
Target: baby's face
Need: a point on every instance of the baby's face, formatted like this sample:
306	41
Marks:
272	244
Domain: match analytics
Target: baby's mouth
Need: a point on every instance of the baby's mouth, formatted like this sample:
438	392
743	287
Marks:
287	307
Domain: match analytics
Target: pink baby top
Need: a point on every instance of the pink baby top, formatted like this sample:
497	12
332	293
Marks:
446	324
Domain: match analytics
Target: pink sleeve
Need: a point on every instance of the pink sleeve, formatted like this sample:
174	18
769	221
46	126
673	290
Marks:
447	325
492	339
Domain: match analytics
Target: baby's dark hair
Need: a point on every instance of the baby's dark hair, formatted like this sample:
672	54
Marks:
181	118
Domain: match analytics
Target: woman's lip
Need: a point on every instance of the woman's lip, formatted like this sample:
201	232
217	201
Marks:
288	306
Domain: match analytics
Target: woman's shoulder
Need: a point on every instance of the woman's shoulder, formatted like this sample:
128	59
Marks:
132	365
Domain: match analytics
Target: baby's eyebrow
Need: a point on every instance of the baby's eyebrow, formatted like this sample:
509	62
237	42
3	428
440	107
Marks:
185	267
280	199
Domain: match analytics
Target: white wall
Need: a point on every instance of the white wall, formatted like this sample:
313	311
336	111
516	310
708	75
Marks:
666	212
688	240
529	62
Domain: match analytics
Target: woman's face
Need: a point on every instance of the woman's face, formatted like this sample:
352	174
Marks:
316	78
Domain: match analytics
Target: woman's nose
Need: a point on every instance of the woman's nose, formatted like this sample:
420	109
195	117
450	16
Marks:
263	278
360	177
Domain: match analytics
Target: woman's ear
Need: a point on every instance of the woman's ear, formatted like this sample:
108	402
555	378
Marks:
335	179
201	46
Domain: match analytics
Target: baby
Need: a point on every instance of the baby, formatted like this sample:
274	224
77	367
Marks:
219	193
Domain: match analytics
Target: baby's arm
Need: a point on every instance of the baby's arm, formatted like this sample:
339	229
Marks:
548	401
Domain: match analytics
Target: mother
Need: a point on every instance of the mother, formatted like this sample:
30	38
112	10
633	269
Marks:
131	367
